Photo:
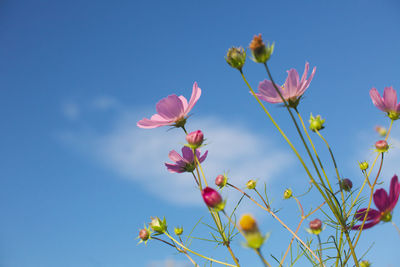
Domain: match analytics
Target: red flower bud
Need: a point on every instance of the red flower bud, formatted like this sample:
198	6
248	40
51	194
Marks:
381	145
315	224
346	184
212	198
195	139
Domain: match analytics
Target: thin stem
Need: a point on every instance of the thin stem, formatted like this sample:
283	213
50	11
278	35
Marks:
258	251
320	248
265	203
197	182
277	218
198	254
390	128
395	226
188	256
166	242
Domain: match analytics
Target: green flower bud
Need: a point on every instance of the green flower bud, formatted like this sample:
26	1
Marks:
260	52
365	263
255	239
158	226
287	194
394	115
316	123
178	230
236	57
363	165
251	184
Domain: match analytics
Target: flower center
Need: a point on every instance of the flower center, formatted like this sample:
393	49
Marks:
386	216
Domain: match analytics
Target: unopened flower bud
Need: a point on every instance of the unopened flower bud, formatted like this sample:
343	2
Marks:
363	165
158	226
248	223
178	230
316	123
236	57
315	227
381	146
381	130
213	199
287	194
221	180
260	52
346	184
365	263
251	184
144	234
195	139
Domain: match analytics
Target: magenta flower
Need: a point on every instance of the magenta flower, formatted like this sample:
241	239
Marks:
184	163
385	204
291	90
171	110
387	103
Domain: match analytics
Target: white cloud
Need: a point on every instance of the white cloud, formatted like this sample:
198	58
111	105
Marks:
140	154
70	111
104	103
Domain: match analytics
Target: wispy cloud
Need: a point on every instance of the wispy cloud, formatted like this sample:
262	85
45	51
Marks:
70	111
139	154
168	263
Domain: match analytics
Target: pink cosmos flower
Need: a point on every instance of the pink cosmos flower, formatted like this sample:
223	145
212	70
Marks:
171	110
387	103
184	163
291	90
384	202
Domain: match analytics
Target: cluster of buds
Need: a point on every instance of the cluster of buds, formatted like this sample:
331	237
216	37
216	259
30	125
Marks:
251	232
316	123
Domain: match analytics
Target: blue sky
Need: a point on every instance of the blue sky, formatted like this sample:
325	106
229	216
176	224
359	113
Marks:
78	179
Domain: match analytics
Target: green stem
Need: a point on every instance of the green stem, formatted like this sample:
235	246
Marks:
198	254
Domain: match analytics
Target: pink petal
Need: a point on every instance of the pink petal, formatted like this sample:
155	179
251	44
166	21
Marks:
390	98
202	158
366	225
268	93
292	83
307	83
149	124
372	214
170	108
377	99
174	168
187	154
394	192
306	68
196	93
381	200
184	102
174	156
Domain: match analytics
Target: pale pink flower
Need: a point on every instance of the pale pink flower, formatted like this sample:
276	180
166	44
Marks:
291	90
387	103
184	163
171	110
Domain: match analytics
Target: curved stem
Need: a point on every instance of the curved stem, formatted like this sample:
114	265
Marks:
198	254
258	251
395	226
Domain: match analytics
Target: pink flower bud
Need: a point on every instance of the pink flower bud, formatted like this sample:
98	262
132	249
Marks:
195	139
212	198
346	184
315	224
220	181
381	145
144	234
